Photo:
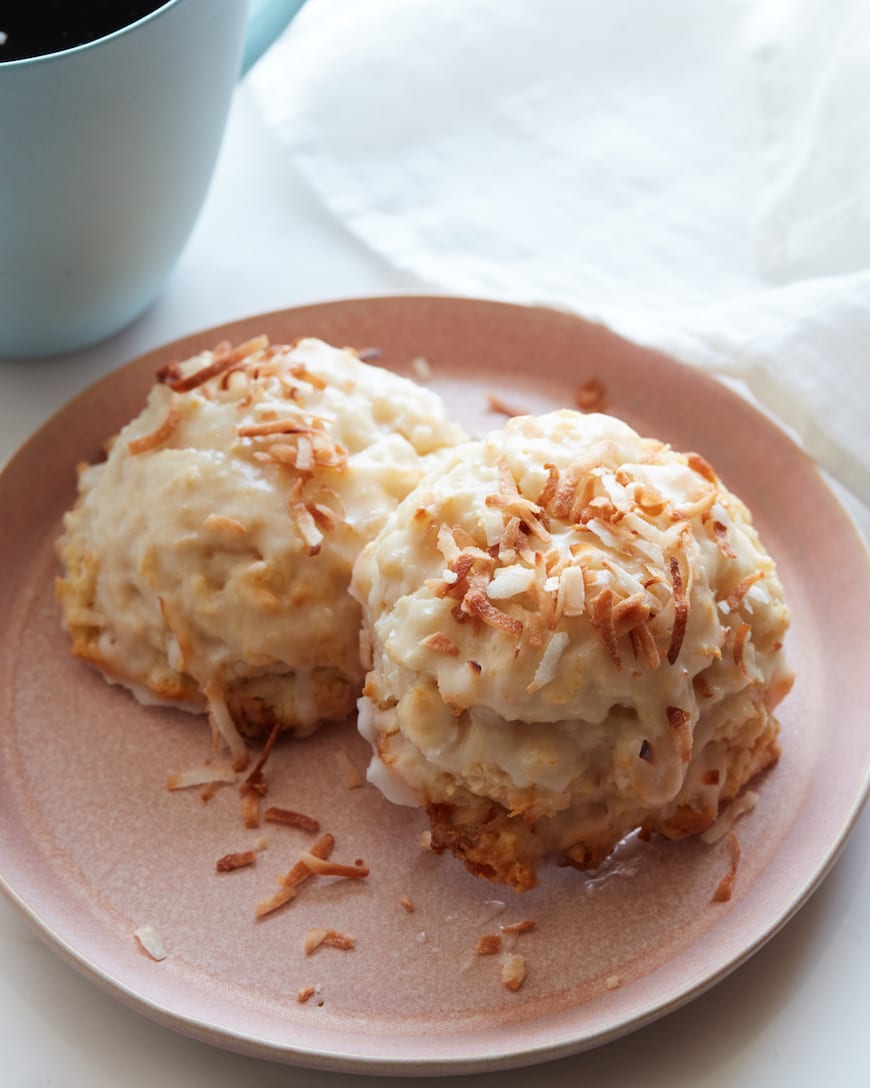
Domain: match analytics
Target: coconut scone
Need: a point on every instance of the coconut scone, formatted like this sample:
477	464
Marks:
572	632
207	559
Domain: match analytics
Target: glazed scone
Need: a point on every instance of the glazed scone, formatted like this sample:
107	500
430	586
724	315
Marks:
572	632
207	559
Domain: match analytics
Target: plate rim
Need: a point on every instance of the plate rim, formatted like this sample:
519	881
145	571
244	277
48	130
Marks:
452	1065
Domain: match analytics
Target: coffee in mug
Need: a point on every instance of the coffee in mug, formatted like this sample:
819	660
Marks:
32	28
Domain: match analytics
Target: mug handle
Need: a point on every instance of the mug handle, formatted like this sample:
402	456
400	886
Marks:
266	20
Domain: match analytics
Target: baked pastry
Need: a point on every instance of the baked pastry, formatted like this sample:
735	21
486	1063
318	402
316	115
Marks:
571	632
207	559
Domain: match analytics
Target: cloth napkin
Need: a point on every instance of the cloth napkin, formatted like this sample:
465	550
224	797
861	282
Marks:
695	175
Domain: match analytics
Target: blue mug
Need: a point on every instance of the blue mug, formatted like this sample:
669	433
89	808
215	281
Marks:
108	149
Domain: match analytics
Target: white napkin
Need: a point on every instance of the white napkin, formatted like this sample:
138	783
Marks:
696	175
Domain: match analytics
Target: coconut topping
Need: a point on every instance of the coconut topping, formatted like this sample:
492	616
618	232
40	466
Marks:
546	634
208	557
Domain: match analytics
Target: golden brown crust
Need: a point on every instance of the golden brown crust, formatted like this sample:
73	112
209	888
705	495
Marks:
256	703
505	848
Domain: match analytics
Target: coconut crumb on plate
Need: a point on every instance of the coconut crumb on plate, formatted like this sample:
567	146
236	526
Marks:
332	938
151	942
513	971
725	887
488	945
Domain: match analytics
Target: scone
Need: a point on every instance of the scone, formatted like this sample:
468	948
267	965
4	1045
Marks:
207	559
571	633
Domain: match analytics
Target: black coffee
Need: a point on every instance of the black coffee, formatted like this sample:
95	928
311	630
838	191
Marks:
31	28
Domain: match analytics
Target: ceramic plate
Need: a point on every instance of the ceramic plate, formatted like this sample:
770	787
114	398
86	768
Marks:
94	845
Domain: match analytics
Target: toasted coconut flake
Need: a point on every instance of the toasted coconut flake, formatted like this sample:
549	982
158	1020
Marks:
314	938
323	867
201	776
572	591
523	926
406	904
256	774
650	501
702	685
702	466
454	583
303	374
681	611
720	531
324	517
550	488
591	396
304	454
615	541
322	848
507	485
273	902
603	508
488	945
729	816
446	544
307	527
643	642
510	538
239	860
601	608
441	643
476	603
328	454
277	815
268	427
534	632
694	509
649	533
737	594
222	721
629	612
160	435
352	779
725	887
678	720
563	500
344	941
549	662
151	942
497	404
513	971
509	582
305	994
740	636
223	524
250	805
223	359
280	452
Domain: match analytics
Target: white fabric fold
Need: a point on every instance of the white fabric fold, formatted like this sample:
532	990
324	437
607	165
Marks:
697	176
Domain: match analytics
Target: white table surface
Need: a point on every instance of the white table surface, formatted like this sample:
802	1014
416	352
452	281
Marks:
796	1014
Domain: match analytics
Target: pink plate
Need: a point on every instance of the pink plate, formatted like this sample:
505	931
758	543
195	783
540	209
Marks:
94	845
